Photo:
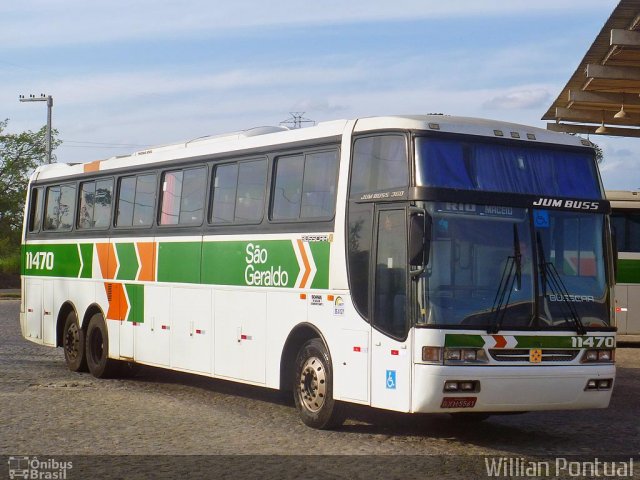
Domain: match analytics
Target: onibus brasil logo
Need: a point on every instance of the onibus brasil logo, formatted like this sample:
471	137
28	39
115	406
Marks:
34	468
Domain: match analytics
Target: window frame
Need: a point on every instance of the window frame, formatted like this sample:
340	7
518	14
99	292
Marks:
79	198
160	195
135	175
36	208
46	202
304	154
211	192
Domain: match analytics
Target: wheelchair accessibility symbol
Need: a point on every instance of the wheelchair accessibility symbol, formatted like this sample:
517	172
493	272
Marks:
541	218
391	379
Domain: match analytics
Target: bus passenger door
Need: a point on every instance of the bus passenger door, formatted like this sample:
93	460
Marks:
390	337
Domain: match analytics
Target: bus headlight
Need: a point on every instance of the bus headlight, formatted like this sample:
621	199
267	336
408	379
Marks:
456	356
598	356
432	355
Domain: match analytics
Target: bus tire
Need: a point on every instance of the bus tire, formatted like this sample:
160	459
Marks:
313	387
73	344
97	345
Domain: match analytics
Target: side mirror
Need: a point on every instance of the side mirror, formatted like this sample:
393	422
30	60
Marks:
419	238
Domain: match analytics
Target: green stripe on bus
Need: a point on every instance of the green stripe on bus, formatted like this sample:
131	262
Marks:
320	252
135	293
628	271
463	341
529	341
52	260
268	263
86	251
179	262
128	261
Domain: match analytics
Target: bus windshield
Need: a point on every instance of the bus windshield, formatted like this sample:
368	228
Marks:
490	268
497	167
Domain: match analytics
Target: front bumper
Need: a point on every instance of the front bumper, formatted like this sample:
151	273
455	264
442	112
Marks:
512	389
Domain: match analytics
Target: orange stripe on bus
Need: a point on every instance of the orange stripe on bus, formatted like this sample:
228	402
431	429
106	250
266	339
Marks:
147	253
107	259
118	305
92	166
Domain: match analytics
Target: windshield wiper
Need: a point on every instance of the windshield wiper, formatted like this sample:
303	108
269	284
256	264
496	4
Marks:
511	274
549	276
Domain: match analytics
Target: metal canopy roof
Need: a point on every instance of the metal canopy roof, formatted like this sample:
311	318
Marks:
602	96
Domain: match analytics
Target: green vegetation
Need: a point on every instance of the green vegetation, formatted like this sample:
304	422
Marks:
20	154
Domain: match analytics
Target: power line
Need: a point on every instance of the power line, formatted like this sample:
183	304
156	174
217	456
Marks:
106	144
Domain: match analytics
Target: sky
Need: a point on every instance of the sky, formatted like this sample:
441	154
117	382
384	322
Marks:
128	75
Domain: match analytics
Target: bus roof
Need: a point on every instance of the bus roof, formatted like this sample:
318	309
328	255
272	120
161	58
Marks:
623	198
264	136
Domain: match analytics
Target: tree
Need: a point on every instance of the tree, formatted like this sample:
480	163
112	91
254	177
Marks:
20	154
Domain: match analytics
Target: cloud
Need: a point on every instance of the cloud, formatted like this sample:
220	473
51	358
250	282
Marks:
518	99
61	22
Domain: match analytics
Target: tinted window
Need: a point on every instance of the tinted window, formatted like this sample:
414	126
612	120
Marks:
35	210
127	195
287	188
95	204
391	273
225	181
319	187
305	186
171	192
239	192
192	201
135	201
252	179
498	167
379	163
626	224
59	207
359	245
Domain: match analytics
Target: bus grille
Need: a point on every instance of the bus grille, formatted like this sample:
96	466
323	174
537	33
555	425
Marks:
522	355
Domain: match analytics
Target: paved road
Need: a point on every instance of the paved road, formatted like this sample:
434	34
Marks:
48	411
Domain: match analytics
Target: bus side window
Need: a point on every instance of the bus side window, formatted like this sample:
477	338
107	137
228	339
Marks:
35	210
239	192
287	189
319	186
359	245
379	163
94	209
136	198
59	207
633	226
305	186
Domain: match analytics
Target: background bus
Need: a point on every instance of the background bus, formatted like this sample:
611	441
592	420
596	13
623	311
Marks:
416	264
625	218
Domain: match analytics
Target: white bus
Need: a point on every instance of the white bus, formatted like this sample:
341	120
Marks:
410	263
625	220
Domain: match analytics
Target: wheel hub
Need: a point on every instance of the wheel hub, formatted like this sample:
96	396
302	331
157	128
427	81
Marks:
72	341
313	384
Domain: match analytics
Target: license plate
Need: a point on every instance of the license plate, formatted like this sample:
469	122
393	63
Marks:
458	402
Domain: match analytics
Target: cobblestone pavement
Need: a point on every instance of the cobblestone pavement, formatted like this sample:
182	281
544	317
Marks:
48	410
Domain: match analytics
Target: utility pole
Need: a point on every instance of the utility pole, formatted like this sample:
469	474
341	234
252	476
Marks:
49	100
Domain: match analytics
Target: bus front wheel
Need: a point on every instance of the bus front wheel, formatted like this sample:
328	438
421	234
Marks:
73	344
313	387
97	344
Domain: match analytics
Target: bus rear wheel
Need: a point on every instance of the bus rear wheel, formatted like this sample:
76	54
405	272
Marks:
313	387
73	344
97	345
